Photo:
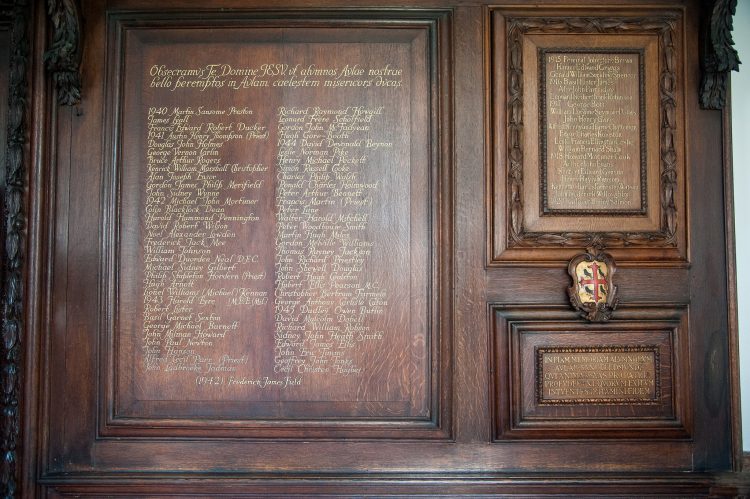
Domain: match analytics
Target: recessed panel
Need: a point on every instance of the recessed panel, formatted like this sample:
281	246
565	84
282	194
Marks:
587	137
575	380
274	225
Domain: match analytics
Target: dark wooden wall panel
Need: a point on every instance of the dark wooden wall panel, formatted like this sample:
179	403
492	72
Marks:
483	316
411	261
523	335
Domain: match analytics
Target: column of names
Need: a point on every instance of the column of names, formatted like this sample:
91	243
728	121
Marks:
593	124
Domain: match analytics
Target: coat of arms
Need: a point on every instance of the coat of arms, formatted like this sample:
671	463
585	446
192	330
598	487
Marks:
593	292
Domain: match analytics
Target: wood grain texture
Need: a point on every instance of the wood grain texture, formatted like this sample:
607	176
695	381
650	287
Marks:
520	412
732	312
484	319
396	393
521	218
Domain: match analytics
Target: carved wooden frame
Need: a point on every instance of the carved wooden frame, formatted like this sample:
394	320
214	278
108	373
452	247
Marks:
665	28
63	59
510	242
640	327
15	214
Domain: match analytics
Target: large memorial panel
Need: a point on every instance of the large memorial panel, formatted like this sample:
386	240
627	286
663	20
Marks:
274	227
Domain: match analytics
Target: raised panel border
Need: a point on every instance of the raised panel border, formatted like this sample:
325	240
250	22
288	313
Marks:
437	423
517	416
509	242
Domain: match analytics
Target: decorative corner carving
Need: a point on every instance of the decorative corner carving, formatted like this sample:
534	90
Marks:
15	224
593	291
718	56
664	27
63	59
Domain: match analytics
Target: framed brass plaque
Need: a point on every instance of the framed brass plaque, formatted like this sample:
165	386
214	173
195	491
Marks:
598	375
622	378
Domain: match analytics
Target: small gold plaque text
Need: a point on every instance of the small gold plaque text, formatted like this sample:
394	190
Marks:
598	375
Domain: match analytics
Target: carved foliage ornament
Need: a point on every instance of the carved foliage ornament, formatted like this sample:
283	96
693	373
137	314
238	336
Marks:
664	28
718	57
63	58
593	291
15	223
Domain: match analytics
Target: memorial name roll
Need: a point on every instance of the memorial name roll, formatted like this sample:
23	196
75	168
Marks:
268	220
593	158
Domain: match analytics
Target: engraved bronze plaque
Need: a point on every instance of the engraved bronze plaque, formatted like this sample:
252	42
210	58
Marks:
598	375
593	131
274	224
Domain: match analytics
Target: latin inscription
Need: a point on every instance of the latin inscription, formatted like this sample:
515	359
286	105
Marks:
275	229
592	124
597	375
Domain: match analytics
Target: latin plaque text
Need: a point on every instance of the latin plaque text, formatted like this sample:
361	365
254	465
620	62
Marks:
597	375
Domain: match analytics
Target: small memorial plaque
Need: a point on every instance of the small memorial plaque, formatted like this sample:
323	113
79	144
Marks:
592	125
598	375
615	375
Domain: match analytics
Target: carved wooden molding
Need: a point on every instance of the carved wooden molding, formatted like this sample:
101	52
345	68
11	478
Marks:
664	27
15	222
524	406
718	57
63	59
